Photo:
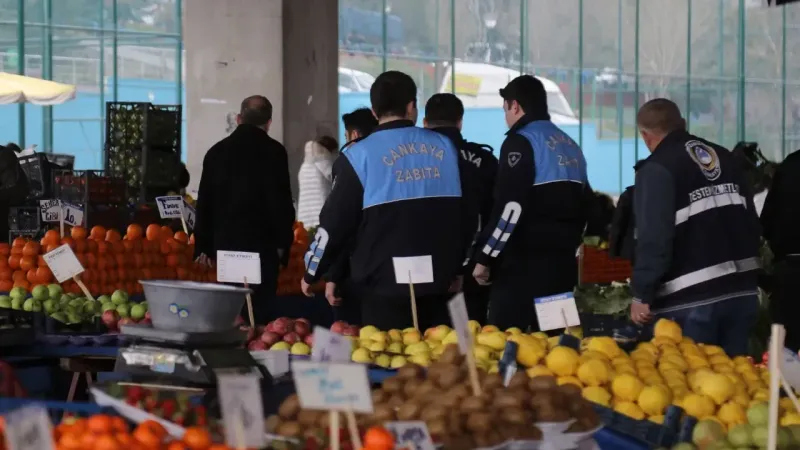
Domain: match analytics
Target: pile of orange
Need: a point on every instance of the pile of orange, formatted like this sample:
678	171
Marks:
111	261
290	276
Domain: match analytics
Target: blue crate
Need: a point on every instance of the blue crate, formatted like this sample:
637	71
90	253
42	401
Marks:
653	434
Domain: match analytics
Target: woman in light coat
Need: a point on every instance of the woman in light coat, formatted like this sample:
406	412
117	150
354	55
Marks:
315	179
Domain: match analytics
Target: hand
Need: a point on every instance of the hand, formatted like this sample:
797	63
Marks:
205	260
306	288
457	284
482	274
640	313
330	294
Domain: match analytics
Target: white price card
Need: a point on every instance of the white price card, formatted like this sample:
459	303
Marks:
418	269
330	346
460	318
29	428
51	210
790	368
170	206
332	386
236	267
557	311
189	215
242	410
73	214
276	361
412	434
63	263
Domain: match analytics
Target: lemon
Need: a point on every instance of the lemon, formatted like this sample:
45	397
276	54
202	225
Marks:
742	399
786	404
643	355
761	395
732	413
652	379
627	387
670	350
539	370
668	329
646	374
718	387
687	340
656	419
629	409
696	362
592	354
648	347
674	375
642	364
605	345
594	373
653	400
711	350
625	369
792	418
679	394
569	380
720	359
722	368
698	405
597	395
663	342
563	361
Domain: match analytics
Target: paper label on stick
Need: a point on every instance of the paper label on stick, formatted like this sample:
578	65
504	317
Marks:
413	435
242	410
238	267
330	346
790	368
63	263
73	214
29	428
170	206
557	311
189	215
332	386
460	318
420	269
51	210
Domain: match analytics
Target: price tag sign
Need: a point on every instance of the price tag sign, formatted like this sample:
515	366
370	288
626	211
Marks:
29	428
330	346
557	311
73	215
63	263
235	267
170	206
51	210
276	361
460	318
413	435
790	368
332	386
189	214
242	410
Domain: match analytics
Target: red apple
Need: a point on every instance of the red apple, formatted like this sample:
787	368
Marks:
309	340
257	345
125	321
304	320
260	329
339	326
110	319
269	338
280	326
302	328
351	330
291	337
147	315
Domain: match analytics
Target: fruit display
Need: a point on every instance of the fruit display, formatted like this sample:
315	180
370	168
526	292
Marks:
175	406
441	397
111	261
283	333
751	433
290	276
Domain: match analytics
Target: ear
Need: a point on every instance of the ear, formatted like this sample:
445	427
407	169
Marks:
374	114
425	122
460	124
410	108
238	119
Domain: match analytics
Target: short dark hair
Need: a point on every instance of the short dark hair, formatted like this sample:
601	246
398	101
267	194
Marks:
529	92
443	110
660	115
14	147
391	92
329	142
256	110
361	120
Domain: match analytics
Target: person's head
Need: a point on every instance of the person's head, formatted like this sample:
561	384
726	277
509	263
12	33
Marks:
358	124
656	119
524	95
184	177
394	96
255	110
443	110
14	147
329	143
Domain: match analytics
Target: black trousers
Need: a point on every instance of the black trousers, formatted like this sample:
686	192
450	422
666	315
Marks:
387	313
264	305
518	281
784	304
476	297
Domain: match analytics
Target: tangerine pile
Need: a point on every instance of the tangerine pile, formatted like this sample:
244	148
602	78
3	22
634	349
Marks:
111	261
290	276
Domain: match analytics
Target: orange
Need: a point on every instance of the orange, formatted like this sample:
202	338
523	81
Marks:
91	246
147	437
166	232
50	247
5	249
13	262
18	241
18	275
17	250
40	262
5	273
6	285
70	441
378	438
153	232
180	236
30	249
80	245
102	247
98	233
32	277
22	284
134	232
177	445
44	275
113	236
69	241
52	237
106	442
78	233
27	263
197	438
99	424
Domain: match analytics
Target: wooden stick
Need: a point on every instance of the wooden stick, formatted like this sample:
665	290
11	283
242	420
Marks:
61	220
413	301
471	367
775	356
355	438
183	219
249	305
83	287
333	417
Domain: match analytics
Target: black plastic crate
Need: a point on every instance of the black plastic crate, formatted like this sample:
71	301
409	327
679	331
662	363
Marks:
88	186
65	162
24	218
653	434
29	234
140	124
16	327
39	172
147	174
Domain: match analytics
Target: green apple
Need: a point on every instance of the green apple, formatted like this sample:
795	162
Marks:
55	291
73	318
18	292
28	305
138	311
145	305
50	306
40	292
76	303
72	295
59	316
64	299
124	310
103	299
5	301
108	307
119	297
91	308
16	302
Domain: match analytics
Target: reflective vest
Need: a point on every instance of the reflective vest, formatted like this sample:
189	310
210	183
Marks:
557	157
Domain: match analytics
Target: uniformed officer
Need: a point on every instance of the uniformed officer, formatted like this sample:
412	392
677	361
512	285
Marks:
697	234
398	196
358	125
444	113
542	198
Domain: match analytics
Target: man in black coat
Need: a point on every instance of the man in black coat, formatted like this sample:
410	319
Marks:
245	200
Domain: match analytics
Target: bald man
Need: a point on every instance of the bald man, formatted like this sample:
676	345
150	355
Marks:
697	234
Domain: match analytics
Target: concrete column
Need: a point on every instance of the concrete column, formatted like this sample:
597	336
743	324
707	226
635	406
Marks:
286	50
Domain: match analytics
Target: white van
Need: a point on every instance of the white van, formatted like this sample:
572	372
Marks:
478	86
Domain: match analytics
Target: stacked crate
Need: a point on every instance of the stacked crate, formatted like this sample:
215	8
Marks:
102	198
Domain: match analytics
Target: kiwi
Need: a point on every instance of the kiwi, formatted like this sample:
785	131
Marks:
530	433
455	422
437	428
516	416
570	391
393	385
323	421
449	377
541	400
433	413
290	407
395	401
307	418
519	380
379	396
491	382
410	371
289	429
426	391
383	413
542	383
479	423
472	405
460	391
451	355
449	400
507	400
408	411
412	385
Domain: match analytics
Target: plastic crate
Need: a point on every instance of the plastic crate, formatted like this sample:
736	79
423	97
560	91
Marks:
653	434
24	218
596	266
38	170
65	162
141	124
88	186
30	234
107	216
16	327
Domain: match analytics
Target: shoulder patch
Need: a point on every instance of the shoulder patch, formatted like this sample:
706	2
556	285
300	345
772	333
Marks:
705	157
513	158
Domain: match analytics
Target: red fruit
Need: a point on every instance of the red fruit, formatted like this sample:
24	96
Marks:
270	338
168	407
339	326
302	329
291	337
257	345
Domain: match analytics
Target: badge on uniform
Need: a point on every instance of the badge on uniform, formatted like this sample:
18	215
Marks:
705	157
513	158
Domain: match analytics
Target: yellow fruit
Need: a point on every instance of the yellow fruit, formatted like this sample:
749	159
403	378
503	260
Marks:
653	380
643	355
648	347
605	345
674	375
761	395
670	350
679	394
539	370
665	366
644	374
722	368
592	354
625	369
627	387
668	329
698	405
653	400
677	360
742	399
563	361
594	373
687	340
656	419
718	387
732	413
530	350
792	418
629	409
786	404
552	342
597	395
712	350
696	378
720	359
569	380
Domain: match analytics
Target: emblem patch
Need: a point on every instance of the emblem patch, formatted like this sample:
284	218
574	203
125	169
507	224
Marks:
706	158
513	158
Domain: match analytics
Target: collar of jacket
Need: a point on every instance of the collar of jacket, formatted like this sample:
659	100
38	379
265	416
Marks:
526	119
400	123
249	130
668	141
451	132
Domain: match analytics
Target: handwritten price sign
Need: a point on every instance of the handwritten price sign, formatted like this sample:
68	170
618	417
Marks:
170	206
334	387
50	209
330	346
413	435
29	429
73	214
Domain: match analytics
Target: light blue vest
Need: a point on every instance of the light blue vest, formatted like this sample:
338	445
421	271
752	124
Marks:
556	156
405	164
